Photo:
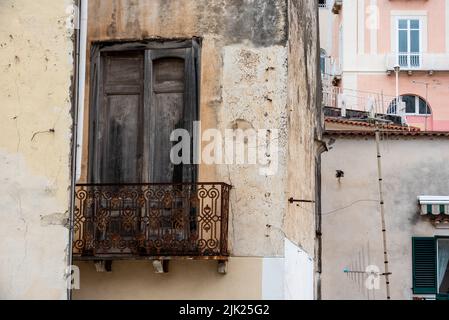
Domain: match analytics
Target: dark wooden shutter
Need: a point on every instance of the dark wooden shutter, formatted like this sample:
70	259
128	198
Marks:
424	266
117	126
172	104
139	95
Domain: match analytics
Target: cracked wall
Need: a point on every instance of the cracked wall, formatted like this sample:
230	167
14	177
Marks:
255	91
243	78
36	68
258	70
305	123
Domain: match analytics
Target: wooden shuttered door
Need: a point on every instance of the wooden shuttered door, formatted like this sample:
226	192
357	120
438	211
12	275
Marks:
172	104
424	266
138	97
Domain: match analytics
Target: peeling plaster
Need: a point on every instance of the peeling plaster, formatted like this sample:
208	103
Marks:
36	59
55	219
246	83
29	247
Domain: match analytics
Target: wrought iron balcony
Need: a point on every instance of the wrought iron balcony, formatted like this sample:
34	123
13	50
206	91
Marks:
133	221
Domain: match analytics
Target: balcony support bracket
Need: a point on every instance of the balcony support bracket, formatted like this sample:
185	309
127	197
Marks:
222	267
160	266
103	266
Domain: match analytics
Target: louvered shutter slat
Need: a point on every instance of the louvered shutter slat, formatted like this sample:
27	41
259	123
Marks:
424	266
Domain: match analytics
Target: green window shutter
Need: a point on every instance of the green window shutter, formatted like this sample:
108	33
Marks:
424	266
442	296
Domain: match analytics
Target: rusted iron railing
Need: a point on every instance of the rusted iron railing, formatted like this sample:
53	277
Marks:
151	220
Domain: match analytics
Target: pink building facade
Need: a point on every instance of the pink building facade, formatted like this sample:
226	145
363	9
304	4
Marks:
363	41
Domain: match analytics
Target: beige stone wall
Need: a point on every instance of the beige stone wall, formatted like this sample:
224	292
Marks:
257	71
305	121
247	75
36	68
187	280
352	236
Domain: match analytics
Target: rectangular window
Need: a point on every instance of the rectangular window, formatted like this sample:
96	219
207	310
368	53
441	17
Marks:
443	265
431	266
140	94
409	43
410	104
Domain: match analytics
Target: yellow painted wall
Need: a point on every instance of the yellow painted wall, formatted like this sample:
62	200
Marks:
36	66
185	280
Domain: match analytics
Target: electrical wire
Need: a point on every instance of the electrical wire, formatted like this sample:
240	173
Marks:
348	206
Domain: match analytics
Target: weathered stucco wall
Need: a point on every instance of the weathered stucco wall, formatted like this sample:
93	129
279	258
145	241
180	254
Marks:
36	68
258	70
352	236
254	96
137	280
304	122
247	74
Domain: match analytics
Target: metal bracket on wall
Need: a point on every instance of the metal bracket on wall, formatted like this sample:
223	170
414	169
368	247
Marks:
103	265
222	266
160	266
291	200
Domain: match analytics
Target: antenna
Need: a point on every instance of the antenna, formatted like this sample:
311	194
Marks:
342	104
382	212
427	94
370	107
378	121
401	110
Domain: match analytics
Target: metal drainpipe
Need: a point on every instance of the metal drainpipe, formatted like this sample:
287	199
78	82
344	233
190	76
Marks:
318	219
78	105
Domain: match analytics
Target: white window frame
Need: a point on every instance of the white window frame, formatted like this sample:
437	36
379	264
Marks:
416	113
409	54
437	266
420	15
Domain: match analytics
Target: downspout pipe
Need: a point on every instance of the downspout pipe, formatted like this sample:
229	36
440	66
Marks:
77	128
82	80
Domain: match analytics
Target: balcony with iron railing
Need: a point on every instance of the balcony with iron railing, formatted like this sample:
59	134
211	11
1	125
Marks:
409	60
418	61
151	221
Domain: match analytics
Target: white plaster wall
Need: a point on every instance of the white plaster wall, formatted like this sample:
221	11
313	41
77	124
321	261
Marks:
352	236
36	67
299	273
290	277
273	271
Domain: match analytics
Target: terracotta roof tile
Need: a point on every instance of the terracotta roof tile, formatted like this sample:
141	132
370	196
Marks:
355	122
388	132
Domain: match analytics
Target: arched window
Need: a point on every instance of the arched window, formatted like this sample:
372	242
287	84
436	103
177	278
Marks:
414	105
323	61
